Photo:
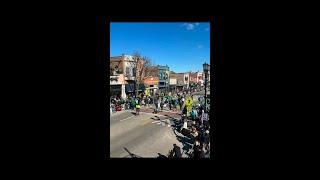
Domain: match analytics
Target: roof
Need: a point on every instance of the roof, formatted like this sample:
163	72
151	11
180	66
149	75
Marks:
126	57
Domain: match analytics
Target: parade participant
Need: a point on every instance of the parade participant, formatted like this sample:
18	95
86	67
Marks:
161	103
138	106
133	103
155	104
170	104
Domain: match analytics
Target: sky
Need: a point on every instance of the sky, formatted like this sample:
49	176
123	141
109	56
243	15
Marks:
182	46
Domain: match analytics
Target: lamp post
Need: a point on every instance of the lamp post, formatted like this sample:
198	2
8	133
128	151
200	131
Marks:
205	69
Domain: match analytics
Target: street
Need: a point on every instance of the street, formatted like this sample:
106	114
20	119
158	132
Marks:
144	135
147	134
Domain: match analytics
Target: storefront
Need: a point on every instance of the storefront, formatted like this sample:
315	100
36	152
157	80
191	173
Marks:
130	88
115	90
151	83
117	86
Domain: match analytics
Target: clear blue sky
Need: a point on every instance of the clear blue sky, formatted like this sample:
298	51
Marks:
182	46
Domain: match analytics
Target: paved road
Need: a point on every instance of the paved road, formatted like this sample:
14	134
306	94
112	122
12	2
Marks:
144	135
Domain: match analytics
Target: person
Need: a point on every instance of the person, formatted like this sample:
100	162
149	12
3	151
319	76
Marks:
184	110
177	151
133	103
194	114
173	104
202	154
110	109
143	102
182	100
207	140
203	116
194	134
156	104
138	109
196	150
161	103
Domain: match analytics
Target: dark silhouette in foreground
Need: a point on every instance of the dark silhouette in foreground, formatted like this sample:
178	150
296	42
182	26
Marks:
131	154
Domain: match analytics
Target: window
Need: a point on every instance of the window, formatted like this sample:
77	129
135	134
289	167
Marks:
127	71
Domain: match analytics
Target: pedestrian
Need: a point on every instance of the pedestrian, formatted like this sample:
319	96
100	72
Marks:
155	104
138	109
147	101
161	103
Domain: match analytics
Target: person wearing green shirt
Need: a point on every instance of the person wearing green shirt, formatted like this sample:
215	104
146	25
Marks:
133	103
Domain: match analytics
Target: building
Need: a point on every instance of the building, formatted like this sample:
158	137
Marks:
186	80
117	85
196	79
172	83
123	68
151	83
179	80
163	73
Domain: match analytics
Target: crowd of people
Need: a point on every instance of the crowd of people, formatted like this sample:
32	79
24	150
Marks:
194	125
161	100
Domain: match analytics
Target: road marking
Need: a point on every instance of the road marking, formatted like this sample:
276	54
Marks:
126	118
152	114
147	122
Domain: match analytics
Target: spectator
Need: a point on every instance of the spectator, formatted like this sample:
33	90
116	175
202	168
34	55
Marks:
202	154
207	140
196	150
177	151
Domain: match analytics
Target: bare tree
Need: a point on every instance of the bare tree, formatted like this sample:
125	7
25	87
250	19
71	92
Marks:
141	65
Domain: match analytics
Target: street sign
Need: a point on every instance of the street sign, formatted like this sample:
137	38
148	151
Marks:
189	102
147	92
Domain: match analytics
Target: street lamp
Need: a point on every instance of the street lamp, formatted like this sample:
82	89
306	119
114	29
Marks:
206	68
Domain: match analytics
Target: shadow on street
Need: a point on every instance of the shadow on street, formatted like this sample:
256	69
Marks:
186	142
131	154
